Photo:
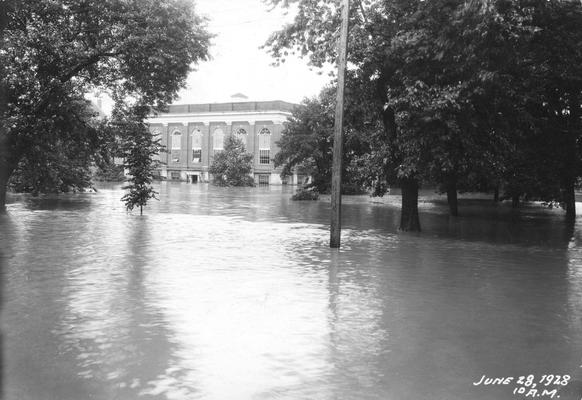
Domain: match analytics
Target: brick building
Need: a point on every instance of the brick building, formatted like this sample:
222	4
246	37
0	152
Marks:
193	133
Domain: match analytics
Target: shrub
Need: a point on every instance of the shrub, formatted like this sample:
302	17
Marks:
306	194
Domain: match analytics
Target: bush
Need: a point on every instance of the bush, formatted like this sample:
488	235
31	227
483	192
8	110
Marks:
306	194
233	165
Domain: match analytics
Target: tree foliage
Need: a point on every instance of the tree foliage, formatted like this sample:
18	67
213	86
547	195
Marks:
307	141
54	52
471	94
552	80
233	165
61	163
138	149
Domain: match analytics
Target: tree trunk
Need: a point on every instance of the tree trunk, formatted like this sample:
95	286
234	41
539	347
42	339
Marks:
573	161
515	201
8	162
496	194
4	175
452	198
5	148
570	200
409	219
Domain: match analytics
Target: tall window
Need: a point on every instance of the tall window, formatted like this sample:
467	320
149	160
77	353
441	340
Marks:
241	134
176	146
218	140
196	146
264	146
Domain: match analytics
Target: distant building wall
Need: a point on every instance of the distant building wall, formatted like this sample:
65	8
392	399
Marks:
192	133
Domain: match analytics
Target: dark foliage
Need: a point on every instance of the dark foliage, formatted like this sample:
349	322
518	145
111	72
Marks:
306	194
307	141
53	53
470	94
233	165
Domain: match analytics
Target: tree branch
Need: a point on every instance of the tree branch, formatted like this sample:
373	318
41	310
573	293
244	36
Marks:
87	63
363	13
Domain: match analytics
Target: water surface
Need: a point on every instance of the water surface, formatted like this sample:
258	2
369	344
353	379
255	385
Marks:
234	294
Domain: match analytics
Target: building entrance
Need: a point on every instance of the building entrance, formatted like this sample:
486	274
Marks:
263	179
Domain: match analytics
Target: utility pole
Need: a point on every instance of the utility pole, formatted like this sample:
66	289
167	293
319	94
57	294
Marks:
336	172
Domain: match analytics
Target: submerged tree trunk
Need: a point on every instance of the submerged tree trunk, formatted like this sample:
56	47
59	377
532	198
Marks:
409	219
3	188
570	200
5	156
515	201
572	161
8	162
452	198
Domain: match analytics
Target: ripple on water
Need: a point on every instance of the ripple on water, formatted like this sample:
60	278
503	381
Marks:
222	294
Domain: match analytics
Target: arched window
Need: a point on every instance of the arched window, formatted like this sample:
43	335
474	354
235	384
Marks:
218	140
264	146
241	134
176	140
196	146
176	145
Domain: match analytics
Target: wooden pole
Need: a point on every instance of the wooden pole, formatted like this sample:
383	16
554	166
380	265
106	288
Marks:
336	172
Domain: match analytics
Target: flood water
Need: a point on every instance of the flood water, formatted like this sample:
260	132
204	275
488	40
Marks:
234	294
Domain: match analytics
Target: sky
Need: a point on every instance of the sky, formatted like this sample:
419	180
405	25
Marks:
237	63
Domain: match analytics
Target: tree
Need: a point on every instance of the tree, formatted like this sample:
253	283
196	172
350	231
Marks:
54	52
138	148
537	81
553	63
233	165
451	83
61	164
451	63
373	25
307	140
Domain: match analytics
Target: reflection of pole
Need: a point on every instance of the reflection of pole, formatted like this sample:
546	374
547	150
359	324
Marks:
336	172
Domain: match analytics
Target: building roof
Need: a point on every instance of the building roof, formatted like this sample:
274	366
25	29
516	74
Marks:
242	106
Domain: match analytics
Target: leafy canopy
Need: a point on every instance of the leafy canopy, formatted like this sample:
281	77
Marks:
307	140
233	165
53	52
462	87
138	148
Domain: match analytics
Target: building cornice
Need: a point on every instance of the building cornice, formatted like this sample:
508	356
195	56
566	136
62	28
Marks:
277	117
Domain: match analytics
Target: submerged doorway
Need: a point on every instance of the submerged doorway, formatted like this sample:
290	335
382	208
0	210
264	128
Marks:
263	179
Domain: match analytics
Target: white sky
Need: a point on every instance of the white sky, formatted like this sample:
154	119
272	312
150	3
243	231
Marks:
239	66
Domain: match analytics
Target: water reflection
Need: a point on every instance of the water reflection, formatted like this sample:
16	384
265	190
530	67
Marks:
247	328
224	294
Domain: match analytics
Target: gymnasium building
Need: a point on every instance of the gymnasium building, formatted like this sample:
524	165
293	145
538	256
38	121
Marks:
193	133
